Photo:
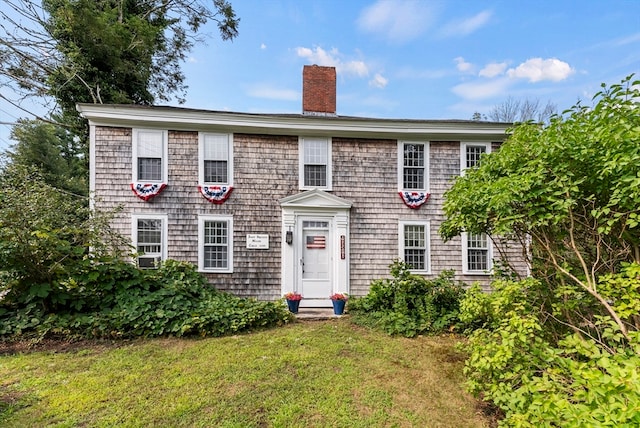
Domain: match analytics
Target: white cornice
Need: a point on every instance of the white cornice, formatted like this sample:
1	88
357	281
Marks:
176	118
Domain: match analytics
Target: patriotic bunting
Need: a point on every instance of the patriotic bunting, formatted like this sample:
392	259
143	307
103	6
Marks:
414	199
216	194
147	191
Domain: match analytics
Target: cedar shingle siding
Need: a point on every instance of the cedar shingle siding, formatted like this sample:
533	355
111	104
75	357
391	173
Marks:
265	171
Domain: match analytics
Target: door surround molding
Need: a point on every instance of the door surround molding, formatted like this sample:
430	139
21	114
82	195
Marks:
313	203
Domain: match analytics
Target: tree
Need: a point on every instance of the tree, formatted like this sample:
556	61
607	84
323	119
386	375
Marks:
477	116
572	189
515	110
118	51
98	51
51	150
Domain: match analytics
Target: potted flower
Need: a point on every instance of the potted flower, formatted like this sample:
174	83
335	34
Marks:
339	300
293	301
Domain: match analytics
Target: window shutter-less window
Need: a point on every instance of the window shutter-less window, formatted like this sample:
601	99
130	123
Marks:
216	158
414	167
315	162
149	151
215	242
473	155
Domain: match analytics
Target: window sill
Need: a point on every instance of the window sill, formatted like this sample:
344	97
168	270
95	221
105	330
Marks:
476	273
214	271
324	189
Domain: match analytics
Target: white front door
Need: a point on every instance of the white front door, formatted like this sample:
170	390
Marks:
316	266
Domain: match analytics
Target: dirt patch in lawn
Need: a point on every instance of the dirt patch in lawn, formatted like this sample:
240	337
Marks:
57	344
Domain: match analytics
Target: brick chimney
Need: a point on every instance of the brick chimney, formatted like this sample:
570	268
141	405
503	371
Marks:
319	90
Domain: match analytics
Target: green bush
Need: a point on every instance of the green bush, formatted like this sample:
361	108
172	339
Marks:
180	302
115	299
408	304
45	237
519	362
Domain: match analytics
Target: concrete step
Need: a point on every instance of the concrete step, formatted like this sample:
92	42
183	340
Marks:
316	314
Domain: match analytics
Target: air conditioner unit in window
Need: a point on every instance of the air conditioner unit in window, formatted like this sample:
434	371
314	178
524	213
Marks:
149	262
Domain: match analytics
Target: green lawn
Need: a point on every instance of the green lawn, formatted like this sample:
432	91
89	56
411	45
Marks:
308	374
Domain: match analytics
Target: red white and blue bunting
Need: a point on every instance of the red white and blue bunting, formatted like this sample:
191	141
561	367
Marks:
216	194
146	191
414	199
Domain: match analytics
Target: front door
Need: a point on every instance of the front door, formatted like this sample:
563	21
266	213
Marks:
315	259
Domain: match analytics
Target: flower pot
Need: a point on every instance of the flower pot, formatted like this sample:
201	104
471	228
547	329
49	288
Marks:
338	306
293	306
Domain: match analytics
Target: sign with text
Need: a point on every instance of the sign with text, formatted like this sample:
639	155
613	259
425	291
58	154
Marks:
258	241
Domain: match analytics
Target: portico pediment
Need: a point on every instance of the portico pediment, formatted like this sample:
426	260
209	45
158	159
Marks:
315	199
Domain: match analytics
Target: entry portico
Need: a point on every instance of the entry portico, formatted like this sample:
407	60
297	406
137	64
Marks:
315	251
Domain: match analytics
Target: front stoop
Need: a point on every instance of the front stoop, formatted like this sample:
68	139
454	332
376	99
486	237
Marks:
316	314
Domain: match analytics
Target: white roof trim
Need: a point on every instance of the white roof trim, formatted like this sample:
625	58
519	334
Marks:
177	118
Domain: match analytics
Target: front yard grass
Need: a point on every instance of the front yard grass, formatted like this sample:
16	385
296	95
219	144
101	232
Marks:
308	374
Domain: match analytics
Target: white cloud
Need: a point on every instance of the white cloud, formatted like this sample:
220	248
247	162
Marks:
272	93
466	26
493	69
634	38
355	68
318	56
463	66
263	46
397	20
481	89
192	60
538	69
333	58
378	81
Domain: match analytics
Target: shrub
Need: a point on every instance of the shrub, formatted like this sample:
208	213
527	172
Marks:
45	237
180	302
113	298
408	304
540	376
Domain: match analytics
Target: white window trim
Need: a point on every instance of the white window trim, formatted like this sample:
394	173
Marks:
427	256
463	152
165	154
165	229
201	159
201	220
427	157
465	257
301	185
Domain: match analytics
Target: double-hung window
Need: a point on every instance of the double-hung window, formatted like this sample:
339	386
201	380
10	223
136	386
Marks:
216	159
150	156
477	253
315	163
413	245
413	166
476	247
470	154
215	244
149	237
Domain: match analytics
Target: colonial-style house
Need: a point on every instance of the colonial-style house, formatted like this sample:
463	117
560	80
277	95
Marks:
264	204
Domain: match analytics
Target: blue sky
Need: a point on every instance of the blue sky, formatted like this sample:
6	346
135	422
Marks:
413	59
